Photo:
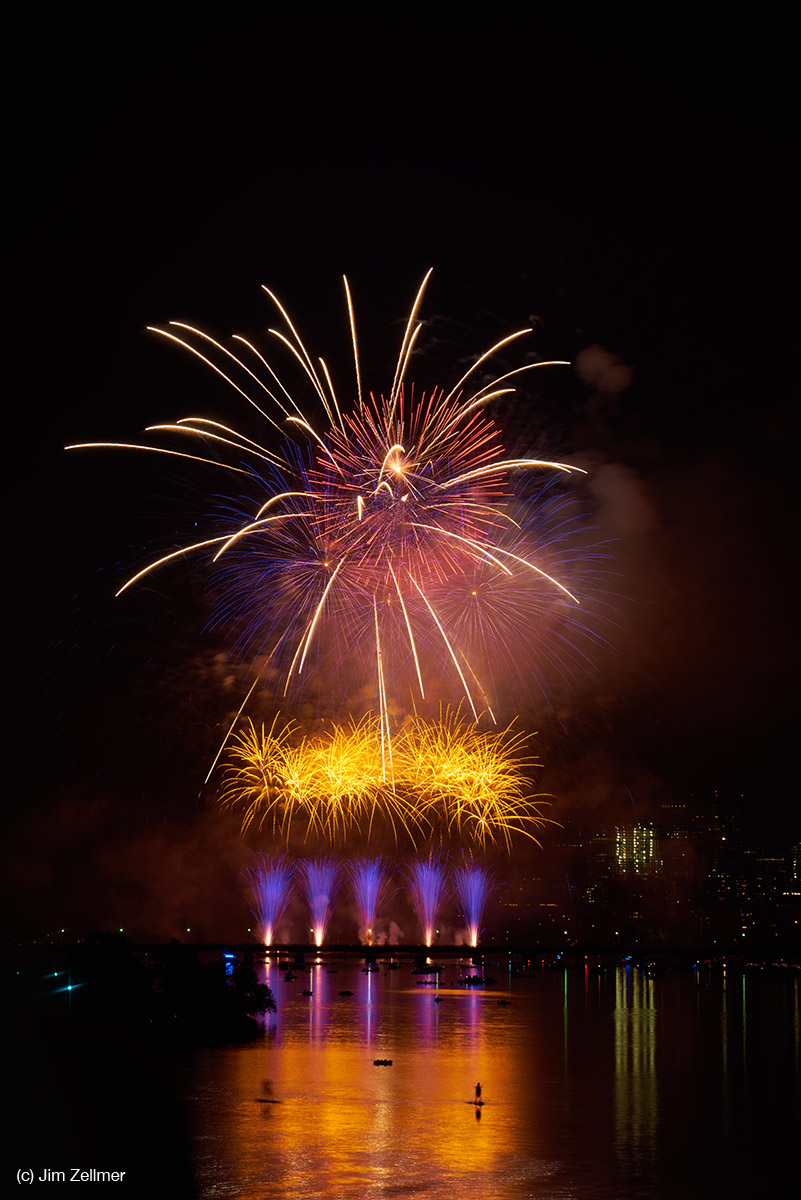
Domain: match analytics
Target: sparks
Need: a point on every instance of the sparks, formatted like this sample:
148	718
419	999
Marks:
449	780
271	883
379	509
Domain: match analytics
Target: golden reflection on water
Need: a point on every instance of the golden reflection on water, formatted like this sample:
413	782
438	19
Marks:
636	1093
597	1084
307	1112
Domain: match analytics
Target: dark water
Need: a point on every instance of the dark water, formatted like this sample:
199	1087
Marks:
596	1085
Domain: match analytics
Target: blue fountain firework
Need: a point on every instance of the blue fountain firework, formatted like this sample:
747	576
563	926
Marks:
273	880
320	879
271	884
427	884
474	885
369	884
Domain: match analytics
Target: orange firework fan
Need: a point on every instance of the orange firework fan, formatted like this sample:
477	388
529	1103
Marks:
478	783
448	780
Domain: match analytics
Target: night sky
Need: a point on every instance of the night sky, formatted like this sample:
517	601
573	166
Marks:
630	193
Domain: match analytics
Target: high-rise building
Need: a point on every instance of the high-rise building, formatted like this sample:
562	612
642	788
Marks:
637	850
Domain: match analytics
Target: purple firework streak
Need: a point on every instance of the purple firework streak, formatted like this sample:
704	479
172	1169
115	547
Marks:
320	878
474	886
271	885
368	882
427	886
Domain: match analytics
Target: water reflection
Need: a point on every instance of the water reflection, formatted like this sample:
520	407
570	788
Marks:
636	1094
308	1112
582	1100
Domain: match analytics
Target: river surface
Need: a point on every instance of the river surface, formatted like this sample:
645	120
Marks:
596	1084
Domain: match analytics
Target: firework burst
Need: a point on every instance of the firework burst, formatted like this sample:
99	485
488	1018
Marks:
329	785
477	783
449	780
384	536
